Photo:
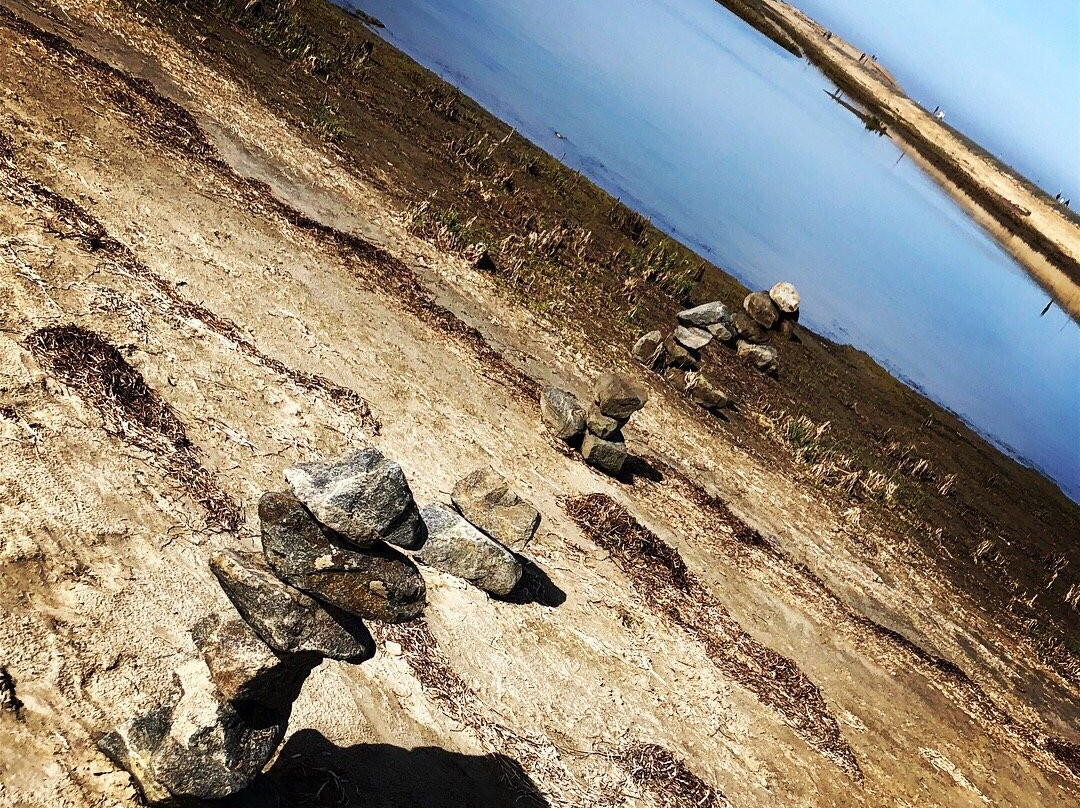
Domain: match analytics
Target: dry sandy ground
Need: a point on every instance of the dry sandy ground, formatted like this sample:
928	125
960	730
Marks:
251	322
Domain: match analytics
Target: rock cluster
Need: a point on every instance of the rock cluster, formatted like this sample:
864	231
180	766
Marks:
597	430
677	355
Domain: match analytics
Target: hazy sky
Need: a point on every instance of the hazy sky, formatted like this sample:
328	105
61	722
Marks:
1007	72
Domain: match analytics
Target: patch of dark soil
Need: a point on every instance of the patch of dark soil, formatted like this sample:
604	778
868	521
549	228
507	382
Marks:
667	780
661	577
133	411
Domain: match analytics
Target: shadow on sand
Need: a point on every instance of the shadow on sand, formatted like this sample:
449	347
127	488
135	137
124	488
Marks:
312	772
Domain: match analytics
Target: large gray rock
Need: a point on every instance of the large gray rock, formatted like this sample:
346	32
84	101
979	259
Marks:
456	547
761	308
747	329
693	337
606	455
284	617
375	582
618	396
363	496
601	425
562	413
196	746
649	349
786	297
244	668
677	355
705	315
705	392
763	357
485	498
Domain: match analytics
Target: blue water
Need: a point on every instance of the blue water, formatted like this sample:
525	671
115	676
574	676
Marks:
728	143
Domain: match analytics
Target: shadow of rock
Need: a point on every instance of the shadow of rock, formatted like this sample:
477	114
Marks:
535	586
635	467
312	772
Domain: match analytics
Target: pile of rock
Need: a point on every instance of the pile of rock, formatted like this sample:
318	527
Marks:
327	564
597	430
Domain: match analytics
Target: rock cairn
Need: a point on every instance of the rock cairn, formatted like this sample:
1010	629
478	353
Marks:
597	430
677	355
327	564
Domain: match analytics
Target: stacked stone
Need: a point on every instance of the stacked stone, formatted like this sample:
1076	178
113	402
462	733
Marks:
476	539
598	428
775	311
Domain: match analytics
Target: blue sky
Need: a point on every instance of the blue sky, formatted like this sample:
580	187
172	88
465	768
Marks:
1007	72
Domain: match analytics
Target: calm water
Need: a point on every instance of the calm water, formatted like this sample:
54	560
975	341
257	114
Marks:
729	143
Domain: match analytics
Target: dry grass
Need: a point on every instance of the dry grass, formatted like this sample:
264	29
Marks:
666	779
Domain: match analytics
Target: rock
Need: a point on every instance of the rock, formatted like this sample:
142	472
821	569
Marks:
760	306
649	349
787	325
705	392
562	413
676	377
618	396
485	498
763	357
747	329
786	297
705	315
722	331
600	425
606	455
692	337
196	746
244	668
376	582
285	618
677	355
362	496
456	547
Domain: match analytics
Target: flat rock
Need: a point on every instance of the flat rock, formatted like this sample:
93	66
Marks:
705	392
244	668
692	337
284	617
619	396
562	413
377	582
786	297
761	308
763	357
362	496
747	329
456	547
705	315
678	355
485	498
601	425
606	455
649	349
196	746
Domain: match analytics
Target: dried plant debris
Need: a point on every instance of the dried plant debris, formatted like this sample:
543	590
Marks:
666	780
9	701
133	411
660	576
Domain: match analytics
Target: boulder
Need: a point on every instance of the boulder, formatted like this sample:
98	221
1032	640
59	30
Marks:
786	297
601	425
747	329
692	337
722	331
485	498
456	547
787	325
375	582
196	746
244	668
705	392
606	455
677	355
649	349
676	377
761	308
362	496
763	357
618	396
705	315
562	413
284	617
